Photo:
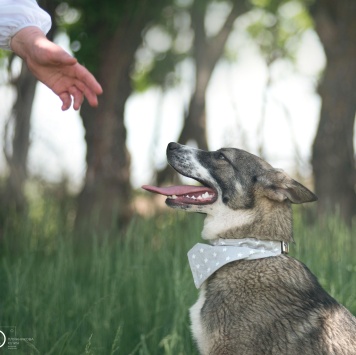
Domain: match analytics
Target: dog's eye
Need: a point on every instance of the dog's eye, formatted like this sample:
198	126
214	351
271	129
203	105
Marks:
221	157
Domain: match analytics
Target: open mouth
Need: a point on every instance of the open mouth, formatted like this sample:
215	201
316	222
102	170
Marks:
185	194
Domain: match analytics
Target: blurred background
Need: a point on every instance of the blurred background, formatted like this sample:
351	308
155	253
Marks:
274	77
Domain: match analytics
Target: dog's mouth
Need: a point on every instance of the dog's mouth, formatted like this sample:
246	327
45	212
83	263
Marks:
185	194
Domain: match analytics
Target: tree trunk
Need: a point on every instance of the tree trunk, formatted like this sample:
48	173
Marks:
206	54
105	198
195	121
333	151
25	85
14	198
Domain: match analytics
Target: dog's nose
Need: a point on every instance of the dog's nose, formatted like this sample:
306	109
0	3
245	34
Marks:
173	146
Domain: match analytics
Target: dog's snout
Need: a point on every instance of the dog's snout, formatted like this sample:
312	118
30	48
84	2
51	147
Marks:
173	146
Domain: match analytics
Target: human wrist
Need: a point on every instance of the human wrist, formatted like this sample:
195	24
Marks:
25	40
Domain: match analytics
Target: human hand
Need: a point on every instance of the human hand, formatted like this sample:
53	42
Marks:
54	67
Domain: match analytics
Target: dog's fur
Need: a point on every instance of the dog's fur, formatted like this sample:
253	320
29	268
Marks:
266	306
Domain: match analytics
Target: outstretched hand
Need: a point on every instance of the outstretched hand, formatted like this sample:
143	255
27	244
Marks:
55	68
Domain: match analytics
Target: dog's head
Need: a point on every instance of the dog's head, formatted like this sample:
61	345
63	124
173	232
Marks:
238	191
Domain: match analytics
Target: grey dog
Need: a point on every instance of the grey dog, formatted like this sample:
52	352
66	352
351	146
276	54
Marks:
268	302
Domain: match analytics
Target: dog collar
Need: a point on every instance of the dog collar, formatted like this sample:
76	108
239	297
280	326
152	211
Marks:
205	259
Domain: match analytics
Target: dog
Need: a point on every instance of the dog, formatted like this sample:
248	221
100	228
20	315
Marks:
265	302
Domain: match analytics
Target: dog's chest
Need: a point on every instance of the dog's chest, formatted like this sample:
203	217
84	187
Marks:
197	326
223	299
205	314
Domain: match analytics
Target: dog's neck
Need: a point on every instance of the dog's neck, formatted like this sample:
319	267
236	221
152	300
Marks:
267	221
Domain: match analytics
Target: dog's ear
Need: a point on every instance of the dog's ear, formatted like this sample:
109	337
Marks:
277	185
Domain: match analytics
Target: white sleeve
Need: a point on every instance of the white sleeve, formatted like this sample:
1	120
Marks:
18	14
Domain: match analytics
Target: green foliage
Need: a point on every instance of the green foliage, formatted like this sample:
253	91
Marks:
4	55
277	26
130	295
162	72
94	23
161	68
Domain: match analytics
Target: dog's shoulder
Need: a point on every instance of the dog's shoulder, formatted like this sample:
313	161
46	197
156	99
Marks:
255	275
270	281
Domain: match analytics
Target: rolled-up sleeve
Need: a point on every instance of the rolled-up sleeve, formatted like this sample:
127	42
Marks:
18	14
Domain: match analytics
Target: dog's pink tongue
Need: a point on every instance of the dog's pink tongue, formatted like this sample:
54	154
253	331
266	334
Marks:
177	190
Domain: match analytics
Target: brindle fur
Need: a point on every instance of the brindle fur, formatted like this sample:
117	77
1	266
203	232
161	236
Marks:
266	306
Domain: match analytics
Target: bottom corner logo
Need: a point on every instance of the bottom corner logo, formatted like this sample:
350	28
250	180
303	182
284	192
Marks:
2	339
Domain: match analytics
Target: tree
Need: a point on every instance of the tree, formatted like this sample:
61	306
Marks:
206	53
277	33
16	155
108	37
333	151
333	156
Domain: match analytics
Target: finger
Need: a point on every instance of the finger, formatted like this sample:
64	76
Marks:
81	78
88	79
90	95
78	97
66	100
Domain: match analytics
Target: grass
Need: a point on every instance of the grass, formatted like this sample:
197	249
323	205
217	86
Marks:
130	296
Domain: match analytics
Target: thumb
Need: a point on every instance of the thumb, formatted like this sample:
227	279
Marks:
65	58
57	55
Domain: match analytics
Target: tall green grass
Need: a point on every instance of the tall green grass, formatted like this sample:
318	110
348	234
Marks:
130	295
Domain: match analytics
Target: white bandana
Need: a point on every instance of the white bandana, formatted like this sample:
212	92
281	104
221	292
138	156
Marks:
205	259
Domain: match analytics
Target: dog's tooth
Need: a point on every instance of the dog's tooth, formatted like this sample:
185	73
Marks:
207	195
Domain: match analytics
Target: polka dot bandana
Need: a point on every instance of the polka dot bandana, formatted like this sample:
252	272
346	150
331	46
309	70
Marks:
205	259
